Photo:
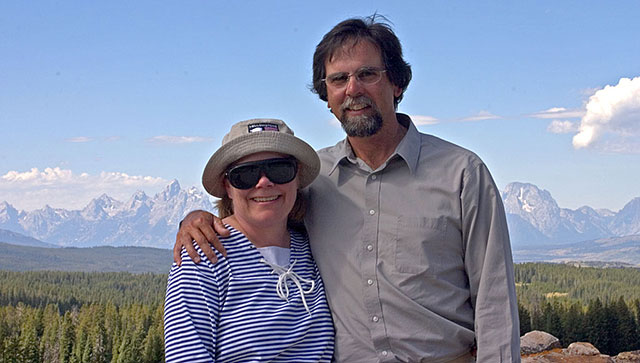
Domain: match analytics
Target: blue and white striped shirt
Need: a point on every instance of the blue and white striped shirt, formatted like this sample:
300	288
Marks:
230	311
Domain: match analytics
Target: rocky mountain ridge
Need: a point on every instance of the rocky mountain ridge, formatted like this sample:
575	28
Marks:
537	225
140	221
535	218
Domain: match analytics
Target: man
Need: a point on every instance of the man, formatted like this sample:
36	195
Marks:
408	230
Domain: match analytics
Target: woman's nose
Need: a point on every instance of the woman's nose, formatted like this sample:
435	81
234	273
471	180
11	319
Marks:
264	181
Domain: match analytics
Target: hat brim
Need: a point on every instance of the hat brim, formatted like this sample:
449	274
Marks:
308	161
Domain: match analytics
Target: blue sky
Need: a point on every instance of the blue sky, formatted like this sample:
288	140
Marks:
113	97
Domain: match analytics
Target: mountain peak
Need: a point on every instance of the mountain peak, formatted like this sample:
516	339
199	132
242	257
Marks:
5	207
101	207
170	191
524	198
9	216
632	207
140	194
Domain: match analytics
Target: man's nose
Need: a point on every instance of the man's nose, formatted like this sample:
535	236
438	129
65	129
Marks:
354	87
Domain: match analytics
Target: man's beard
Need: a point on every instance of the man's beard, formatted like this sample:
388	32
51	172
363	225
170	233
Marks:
363	125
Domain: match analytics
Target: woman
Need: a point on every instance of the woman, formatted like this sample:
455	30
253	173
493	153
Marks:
265	300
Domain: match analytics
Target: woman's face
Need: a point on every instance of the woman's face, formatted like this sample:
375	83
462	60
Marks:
266	203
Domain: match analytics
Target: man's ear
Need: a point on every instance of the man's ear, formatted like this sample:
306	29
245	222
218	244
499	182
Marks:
397	91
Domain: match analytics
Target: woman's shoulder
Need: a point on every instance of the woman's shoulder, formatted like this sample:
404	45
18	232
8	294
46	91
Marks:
299	241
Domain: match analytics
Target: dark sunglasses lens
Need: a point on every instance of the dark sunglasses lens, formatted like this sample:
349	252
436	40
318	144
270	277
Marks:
244	176
281	171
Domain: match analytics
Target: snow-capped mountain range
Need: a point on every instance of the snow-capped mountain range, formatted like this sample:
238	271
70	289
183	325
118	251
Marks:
534	218
140	221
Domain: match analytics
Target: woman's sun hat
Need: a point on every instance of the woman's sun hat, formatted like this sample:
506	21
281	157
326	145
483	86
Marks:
258	135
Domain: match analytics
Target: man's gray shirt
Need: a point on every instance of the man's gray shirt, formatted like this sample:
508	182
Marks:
415	256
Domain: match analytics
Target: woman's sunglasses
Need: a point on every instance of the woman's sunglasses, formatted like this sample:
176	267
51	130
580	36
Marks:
247	175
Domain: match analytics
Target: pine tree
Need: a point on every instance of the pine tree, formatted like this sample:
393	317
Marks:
573	324
551	320
11	350
154	341
525	320
627	327
49	342
28	342
599	326
67	336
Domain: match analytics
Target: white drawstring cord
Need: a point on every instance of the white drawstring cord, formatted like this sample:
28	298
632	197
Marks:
283	289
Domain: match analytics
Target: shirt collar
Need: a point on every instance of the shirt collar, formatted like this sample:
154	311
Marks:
408	149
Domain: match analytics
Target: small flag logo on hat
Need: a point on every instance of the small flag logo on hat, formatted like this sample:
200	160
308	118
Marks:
263	127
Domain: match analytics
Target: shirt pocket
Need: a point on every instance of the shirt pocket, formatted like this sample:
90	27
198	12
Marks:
418	244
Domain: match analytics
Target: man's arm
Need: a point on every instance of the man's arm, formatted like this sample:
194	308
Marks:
489	266
199	226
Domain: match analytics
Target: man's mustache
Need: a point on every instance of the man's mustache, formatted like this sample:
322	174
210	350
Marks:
349	102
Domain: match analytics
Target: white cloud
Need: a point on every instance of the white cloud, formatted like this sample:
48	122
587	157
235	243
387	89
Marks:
420	120
481	116
334	122
562	127
612	119
79	139
165	139
558	112
61	188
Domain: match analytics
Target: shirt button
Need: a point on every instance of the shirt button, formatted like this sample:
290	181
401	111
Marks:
374	177
370	282
384	352
372	212
369	248
375	318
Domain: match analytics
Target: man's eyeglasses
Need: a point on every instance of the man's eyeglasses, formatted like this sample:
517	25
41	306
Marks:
246	175
364	75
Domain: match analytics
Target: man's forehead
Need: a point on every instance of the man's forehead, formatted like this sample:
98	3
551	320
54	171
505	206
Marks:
352	48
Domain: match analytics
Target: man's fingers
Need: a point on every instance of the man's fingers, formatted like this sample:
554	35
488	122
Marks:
221	230
208	251
201	227
191	250
177	249
201	240
209	234
218	246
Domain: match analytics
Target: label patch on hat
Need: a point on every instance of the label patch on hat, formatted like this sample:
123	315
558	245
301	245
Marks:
263	127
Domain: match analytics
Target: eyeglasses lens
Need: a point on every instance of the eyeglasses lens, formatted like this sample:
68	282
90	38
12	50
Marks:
365	75
247	175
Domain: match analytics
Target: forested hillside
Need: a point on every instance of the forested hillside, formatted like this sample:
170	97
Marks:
58	316
81	317
92	259
598	305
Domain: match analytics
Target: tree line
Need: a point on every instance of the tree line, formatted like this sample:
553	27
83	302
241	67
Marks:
54	316
596	305
611	327
99	333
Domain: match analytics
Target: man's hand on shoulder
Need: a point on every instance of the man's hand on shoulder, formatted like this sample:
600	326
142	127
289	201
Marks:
200	226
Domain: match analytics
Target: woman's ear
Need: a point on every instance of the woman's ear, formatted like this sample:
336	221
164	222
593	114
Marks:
227	187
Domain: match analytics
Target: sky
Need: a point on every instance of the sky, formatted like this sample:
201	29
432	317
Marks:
118	96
